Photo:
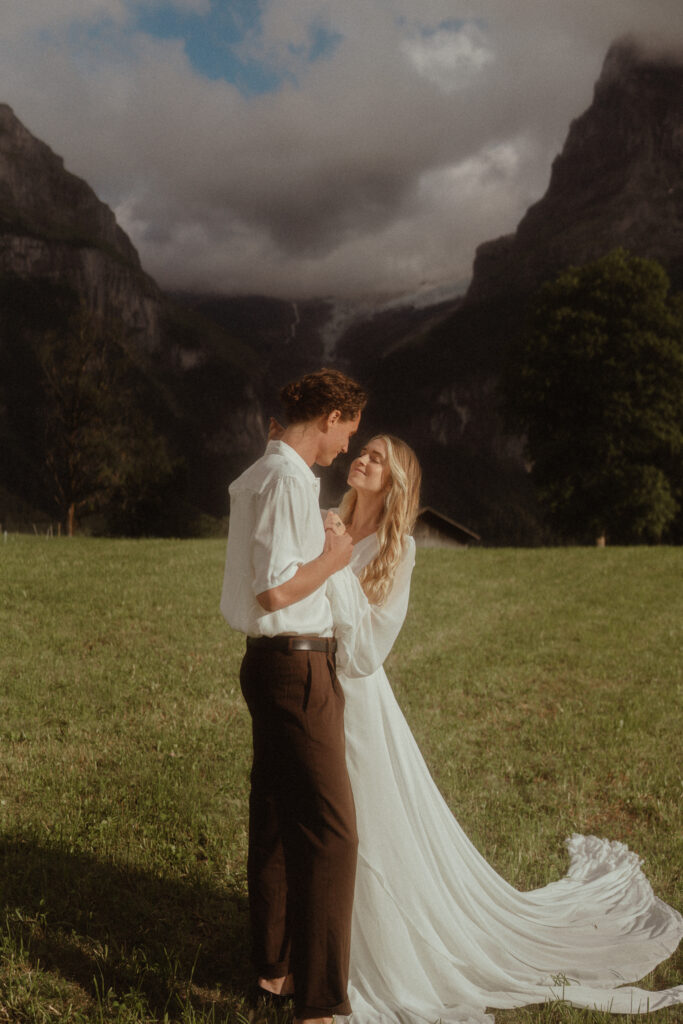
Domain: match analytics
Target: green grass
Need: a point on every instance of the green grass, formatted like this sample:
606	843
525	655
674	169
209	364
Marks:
542	685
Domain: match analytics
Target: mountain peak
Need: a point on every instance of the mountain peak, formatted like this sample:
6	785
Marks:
39	197
53	226
617	182
630	54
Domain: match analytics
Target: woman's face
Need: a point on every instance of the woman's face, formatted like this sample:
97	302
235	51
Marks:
370	471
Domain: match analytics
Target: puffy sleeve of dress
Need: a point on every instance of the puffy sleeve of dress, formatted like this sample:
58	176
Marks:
366	632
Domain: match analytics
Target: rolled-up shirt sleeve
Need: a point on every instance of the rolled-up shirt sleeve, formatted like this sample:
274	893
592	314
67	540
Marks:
279	518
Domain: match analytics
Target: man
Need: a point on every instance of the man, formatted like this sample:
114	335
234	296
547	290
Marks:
302	831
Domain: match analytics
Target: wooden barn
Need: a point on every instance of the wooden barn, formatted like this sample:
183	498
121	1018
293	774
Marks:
435	530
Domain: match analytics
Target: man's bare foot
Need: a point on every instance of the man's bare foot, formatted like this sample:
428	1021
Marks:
277	986
314	1020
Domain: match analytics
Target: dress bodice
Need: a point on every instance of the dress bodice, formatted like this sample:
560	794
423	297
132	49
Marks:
363	552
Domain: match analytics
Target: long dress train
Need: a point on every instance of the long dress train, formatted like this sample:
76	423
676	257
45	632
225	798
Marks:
436	933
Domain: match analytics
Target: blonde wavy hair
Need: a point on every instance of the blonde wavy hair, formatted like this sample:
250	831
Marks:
401	505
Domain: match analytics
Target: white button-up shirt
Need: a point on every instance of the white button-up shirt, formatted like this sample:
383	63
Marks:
275	527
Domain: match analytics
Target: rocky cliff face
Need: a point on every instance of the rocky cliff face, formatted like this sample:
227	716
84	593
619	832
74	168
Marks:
198	385
617	182
53	226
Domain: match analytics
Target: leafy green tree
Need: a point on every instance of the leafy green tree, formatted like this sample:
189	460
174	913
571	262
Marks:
596	386
100	448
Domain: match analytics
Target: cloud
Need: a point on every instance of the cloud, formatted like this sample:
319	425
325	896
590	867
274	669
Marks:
393	139
450	55
35	16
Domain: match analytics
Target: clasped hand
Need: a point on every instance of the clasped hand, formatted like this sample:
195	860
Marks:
337	540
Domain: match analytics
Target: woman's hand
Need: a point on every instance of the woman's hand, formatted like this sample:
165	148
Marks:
334	523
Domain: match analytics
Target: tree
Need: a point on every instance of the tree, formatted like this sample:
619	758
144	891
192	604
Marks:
596	386
99	448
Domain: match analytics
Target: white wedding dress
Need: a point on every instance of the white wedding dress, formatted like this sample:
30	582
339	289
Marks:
437	934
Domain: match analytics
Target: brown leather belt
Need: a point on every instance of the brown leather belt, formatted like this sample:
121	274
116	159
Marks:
294	643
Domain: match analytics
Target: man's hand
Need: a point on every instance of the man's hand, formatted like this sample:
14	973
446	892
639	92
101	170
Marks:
335	556
339	547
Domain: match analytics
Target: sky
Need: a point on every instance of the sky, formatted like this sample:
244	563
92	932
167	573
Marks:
309	148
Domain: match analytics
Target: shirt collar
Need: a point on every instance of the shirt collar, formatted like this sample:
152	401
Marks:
286	451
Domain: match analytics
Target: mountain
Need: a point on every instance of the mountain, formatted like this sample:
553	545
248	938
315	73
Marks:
210	366
200	386
617	182
53	227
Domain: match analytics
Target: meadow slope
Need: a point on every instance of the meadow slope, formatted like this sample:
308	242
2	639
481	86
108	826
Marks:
542	685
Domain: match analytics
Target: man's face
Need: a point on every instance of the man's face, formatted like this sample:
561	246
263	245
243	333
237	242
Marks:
336	437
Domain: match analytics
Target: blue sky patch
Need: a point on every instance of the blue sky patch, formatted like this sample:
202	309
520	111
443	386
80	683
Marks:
211	40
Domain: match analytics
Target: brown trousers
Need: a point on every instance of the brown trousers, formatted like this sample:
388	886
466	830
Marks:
302	826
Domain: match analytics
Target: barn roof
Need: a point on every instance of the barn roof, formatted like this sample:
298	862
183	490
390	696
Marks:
431	517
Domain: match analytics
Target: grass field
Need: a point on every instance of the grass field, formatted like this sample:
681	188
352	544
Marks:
542	685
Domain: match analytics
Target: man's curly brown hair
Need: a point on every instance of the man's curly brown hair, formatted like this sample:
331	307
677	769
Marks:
320	393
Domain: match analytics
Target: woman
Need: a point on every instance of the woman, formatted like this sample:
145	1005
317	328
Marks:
437	934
